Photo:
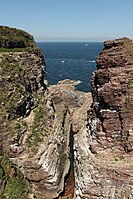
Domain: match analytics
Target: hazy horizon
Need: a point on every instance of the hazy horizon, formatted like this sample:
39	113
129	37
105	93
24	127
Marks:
71	20
69	41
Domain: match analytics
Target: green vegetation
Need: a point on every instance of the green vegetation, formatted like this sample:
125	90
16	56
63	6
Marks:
14	49
39	126
26	49
129	46
13	91
119	158
12	86
16	187
56	99
130	83
127	99
13	180
17	127
14	38
17	98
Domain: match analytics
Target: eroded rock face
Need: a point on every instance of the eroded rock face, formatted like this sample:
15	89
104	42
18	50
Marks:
77	104
34	131
103	161
37	124
113	94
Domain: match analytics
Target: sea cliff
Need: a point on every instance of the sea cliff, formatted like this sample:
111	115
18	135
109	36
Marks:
37	123
103	161
34	131
56	142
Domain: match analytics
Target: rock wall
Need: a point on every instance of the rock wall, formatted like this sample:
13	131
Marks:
103	160
34	131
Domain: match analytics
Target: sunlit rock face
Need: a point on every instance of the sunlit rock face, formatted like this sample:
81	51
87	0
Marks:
36	122
104	154
34	130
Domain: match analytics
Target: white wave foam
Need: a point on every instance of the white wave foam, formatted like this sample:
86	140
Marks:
79	81
92	61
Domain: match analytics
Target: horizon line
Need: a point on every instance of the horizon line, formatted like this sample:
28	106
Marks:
69	41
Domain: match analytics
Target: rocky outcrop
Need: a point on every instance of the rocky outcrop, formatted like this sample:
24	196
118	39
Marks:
103	160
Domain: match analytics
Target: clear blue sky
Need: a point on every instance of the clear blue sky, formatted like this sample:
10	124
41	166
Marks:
69	20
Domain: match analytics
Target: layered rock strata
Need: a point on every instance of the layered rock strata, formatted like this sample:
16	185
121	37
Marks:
77	104
34	130
37	124
103	160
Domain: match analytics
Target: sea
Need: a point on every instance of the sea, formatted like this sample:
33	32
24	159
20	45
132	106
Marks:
71	60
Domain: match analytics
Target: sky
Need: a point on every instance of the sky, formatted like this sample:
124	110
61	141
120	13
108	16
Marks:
69	20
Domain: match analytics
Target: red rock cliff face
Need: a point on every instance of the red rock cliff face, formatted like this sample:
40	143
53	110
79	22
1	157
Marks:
113	95
104	155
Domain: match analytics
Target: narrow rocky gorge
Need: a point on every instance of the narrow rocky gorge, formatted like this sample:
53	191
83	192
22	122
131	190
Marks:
57	142
77	104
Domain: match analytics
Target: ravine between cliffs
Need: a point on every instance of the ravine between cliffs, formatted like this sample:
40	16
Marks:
57	142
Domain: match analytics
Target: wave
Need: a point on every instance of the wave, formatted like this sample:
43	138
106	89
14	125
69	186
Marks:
79	81
74	60
92	61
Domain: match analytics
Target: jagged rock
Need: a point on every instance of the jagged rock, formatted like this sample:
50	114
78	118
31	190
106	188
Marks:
108	174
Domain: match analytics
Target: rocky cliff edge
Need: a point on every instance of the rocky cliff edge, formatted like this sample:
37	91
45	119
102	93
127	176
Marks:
34	130
104	160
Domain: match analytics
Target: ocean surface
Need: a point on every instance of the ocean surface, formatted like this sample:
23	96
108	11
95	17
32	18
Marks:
71	60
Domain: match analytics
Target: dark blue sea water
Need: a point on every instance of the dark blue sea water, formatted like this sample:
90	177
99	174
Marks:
71	60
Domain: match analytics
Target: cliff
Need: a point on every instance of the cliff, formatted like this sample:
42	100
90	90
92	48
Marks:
103	162
34	131
37	124
52	143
